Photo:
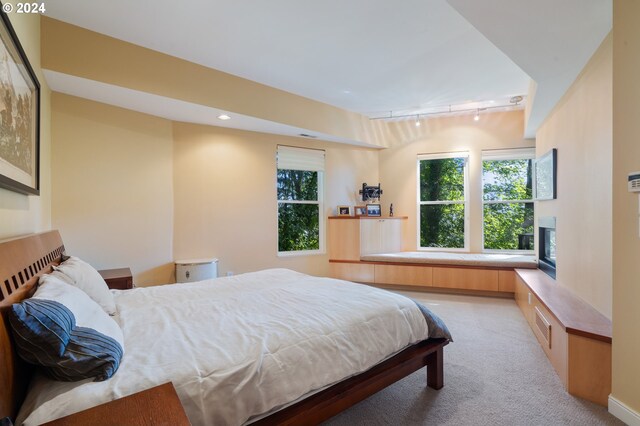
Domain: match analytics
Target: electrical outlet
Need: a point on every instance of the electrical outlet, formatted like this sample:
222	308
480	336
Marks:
229	273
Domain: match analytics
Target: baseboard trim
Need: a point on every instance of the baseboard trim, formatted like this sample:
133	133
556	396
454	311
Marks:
623	412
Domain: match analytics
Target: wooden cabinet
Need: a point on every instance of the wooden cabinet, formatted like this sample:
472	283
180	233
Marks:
574	336
352	237
466	278
119	279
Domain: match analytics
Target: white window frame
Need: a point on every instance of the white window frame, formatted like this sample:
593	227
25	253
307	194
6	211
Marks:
304	159
467	231
507	154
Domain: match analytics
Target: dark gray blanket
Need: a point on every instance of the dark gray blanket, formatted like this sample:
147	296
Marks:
437	327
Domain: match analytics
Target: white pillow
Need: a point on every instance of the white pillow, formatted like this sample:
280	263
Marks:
87	313
87	279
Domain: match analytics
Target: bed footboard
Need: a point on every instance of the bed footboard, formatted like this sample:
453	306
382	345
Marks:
329	402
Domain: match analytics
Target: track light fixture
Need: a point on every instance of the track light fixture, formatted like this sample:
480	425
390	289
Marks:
514	103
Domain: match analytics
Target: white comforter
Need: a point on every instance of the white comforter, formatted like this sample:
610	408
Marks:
241	346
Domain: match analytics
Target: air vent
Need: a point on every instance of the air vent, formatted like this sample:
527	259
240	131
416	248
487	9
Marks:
543	326
305	135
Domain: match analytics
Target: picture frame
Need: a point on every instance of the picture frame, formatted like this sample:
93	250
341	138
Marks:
343	210
360	210
374	210
546	175
19	116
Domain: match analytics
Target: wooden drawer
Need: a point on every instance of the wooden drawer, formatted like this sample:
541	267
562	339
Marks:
359	272
404	275
466	278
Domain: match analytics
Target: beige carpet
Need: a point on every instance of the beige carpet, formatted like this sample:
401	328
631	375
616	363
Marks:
495	374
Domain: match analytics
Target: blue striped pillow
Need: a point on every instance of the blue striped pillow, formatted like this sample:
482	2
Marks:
46	335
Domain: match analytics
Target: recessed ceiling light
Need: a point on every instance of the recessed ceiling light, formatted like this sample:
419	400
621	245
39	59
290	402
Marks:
224	117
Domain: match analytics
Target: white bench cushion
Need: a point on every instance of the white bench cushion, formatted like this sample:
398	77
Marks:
461	259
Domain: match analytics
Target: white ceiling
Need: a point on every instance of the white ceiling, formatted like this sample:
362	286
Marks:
368	56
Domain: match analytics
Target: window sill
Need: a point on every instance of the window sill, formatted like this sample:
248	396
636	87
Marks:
301	253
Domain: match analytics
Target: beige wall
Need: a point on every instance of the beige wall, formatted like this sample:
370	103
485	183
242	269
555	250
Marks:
113	187
225	195
580	127
398	165
79	52
626	243
22	214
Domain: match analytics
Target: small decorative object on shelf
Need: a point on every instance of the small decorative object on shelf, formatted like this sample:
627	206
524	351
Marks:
370	192
374	210
391	210
344	210
360	210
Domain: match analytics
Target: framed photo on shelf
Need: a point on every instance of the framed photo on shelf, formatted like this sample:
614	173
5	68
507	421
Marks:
374	210
20	127
360	210
344	210
546	174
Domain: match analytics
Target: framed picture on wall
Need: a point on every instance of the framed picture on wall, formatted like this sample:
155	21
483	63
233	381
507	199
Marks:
546	174
19	116
374	210
360	210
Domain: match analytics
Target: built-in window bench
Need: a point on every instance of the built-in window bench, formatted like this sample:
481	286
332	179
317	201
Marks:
575	336
435	270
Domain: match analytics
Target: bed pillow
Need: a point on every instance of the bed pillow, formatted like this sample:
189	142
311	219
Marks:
87	279
62	330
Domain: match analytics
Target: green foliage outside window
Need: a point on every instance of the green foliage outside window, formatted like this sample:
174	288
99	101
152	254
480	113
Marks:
508	226
299	219
442	225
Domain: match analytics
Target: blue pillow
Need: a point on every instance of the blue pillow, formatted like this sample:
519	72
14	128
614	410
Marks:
46	335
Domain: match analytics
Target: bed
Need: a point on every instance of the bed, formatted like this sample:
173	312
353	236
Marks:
307	386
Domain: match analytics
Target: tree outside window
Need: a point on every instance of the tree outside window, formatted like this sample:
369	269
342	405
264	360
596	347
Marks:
298	210
442	187
508	203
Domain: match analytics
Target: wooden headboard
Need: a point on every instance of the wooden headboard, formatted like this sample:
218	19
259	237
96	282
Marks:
22	261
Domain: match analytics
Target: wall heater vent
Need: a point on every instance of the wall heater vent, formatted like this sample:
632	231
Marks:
543	326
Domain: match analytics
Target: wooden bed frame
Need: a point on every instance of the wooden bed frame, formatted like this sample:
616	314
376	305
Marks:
24	259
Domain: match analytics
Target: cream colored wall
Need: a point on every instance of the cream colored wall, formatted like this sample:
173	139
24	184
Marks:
225	195
113	187
626	243
79	52
580	127
22	214
398	165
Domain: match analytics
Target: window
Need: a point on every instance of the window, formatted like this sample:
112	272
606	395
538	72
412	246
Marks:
442	183
507	182
299	193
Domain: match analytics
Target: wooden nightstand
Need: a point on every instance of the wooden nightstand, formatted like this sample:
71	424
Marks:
119	279
155	406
